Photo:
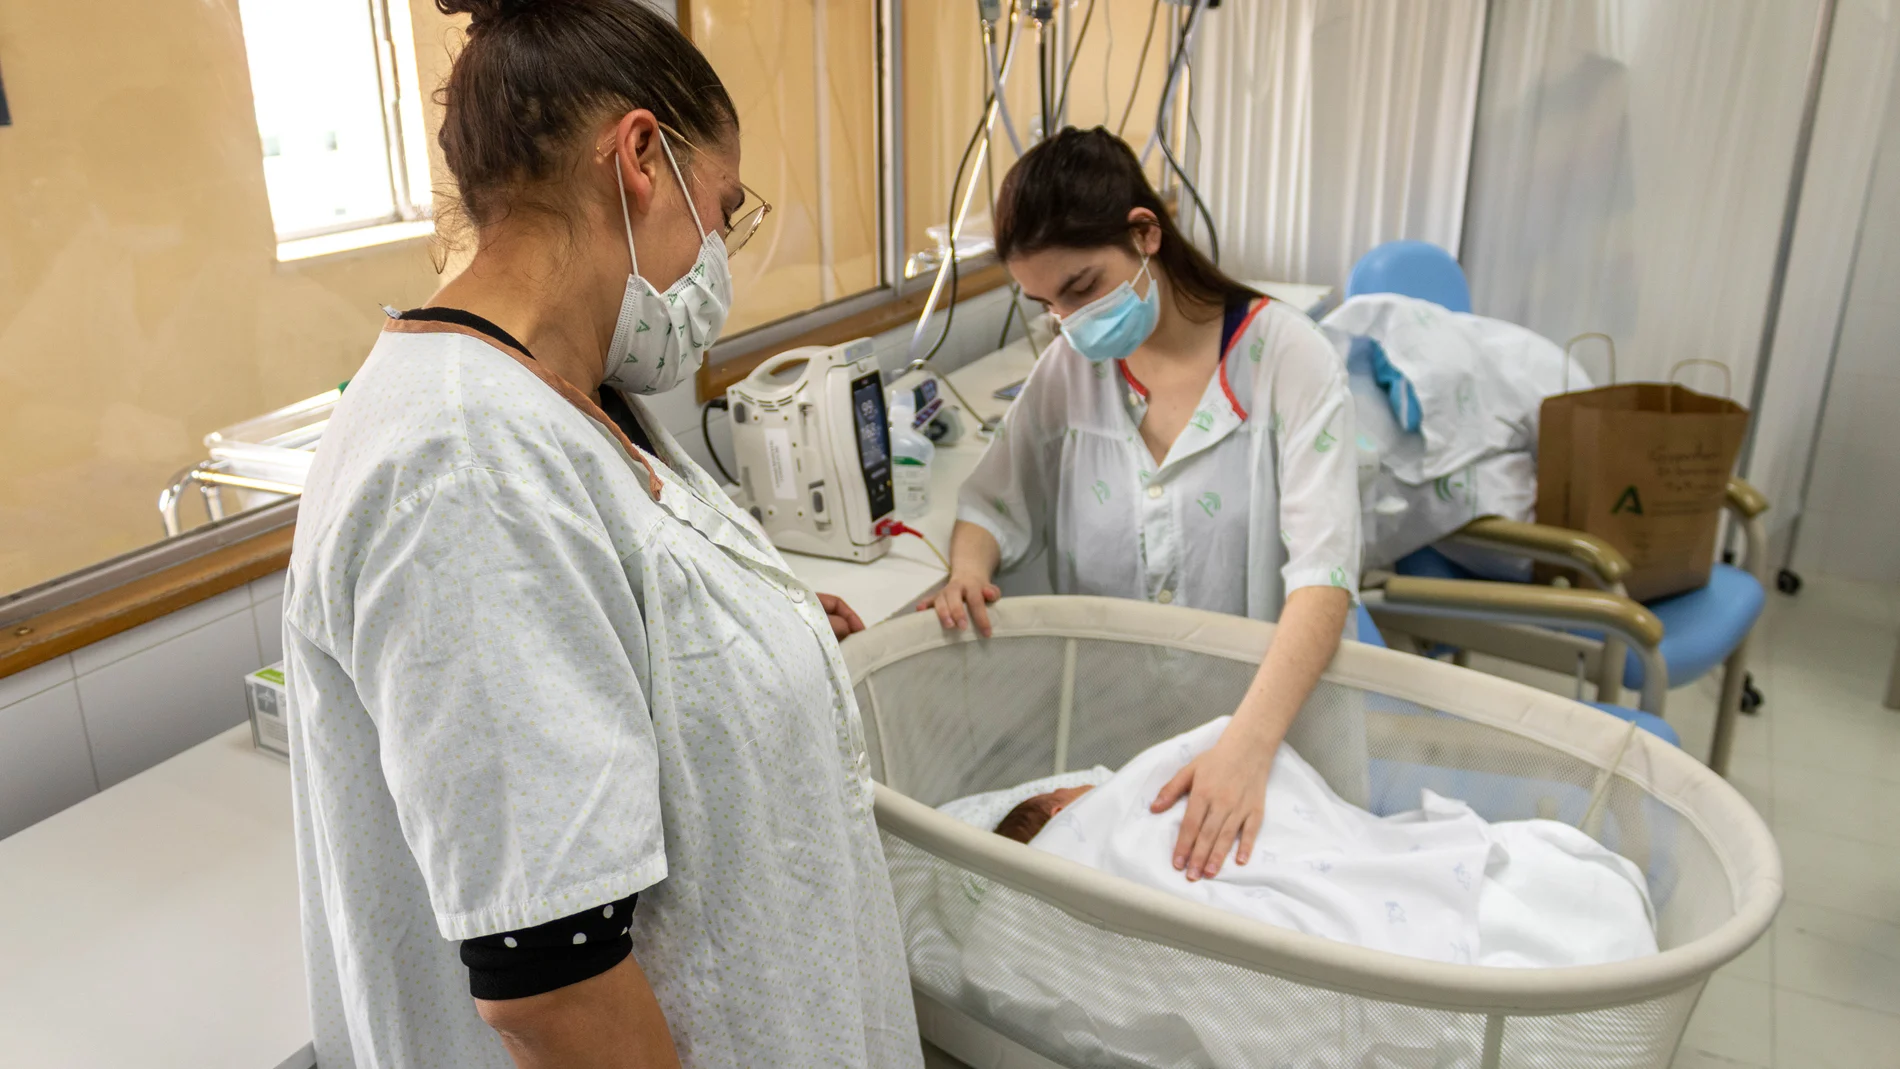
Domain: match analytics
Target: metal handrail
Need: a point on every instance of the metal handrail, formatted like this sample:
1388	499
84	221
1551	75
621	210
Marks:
209	480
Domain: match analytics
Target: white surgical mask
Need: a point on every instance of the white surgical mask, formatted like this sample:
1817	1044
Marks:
662	338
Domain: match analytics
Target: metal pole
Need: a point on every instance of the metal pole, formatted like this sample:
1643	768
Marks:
1471	155
1833	356
1798	172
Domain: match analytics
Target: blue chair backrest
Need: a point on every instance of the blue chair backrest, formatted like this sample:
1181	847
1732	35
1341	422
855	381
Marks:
1412	269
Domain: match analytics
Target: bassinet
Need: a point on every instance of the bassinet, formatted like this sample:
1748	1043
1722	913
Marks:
1020	958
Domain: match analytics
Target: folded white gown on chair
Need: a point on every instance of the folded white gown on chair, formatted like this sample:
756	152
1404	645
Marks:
1438	882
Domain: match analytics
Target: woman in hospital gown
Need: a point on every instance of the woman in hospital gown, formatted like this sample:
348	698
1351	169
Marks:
1184	441
577	773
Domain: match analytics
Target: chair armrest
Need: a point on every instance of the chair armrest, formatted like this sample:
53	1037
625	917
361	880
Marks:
1551	545
1542	606
1745	500
1597	609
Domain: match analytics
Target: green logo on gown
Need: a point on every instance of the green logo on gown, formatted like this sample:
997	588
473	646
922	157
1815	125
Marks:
1101	492
1324	442
1210	502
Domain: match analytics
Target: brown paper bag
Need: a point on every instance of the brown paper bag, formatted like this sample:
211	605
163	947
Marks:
1644	467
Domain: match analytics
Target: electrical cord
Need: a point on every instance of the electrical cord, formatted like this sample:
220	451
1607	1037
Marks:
950	213
705	431
1174	69
1068	69
1141	67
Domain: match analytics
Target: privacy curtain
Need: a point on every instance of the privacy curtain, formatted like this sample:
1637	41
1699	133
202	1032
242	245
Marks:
1630	170
1328	126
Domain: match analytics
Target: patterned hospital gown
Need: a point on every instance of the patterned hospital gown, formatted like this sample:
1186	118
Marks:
1258	497
529	675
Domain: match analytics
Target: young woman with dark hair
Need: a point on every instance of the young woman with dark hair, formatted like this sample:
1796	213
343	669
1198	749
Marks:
1185	441
577	774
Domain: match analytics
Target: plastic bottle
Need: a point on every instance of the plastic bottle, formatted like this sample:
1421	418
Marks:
911	456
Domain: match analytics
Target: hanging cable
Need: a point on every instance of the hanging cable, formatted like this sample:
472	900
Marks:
1108	60
1141	67
705	432
1167	96
1068	69
951	214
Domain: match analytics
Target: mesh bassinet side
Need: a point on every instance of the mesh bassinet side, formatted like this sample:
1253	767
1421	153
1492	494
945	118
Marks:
1058	960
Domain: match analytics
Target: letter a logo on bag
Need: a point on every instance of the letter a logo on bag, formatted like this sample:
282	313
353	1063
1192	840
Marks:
1629	501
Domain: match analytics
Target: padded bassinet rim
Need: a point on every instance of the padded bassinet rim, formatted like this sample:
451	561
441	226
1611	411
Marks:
1739	839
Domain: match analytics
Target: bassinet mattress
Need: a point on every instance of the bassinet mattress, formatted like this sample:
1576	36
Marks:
1105	999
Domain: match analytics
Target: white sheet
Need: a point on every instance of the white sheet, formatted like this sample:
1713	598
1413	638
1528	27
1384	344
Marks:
1438	882
1549	895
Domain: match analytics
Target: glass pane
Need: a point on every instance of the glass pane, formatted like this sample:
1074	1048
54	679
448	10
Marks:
804	78
946	82
319	113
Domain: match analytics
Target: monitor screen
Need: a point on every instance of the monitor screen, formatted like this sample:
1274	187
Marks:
874	442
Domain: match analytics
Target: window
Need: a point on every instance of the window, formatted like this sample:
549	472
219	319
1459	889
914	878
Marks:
339	117
861	196
805	80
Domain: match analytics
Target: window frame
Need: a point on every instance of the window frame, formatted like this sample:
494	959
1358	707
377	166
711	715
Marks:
396	135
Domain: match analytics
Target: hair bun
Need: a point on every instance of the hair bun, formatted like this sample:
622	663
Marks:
480	11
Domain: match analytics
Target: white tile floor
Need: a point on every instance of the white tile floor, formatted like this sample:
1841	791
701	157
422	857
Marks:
1822	763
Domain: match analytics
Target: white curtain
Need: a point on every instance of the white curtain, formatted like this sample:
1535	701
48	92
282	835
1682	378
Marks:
1631	161
1847	139
1631	166
1329	126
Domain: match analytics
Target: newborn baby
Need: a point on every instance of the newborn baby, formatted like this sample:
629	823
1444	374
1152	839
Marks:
1438	882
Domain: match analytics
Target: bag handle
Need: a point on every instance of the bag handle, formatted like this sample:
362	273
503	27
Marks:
1572	344
1728	379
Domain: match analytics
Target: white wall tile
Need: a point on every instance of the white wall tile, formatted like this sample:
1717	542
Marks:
140	710
149	635
45	676
44	762
271	586
268	617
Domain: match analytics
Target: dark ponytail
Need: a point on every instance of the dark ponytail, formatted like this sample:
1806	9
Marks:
535	73
1075	190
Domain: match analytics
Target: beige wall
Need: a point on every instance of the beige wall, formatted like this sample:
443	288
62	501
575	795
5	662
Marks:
141	304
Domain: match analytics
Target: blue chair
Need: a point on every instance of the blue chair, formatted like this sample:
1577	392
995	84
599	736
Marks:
1410	598
1701	628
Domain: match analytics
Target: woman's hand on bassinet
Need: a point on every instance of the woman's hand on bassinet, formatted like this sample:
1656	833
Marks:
1226	791
844	620
962	599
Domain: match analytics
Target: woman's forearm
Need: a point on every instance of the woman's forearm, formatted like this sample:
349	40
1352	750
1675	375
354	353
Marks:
610	1021
1308	634
974	553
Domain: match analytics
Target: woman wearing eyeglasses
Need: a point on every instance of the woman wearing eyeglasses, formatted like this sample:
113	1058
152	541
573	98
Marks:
578	776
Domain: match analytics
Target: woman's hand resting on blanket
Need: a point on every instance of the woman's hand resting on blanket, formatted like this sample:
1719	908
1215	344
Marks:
1226	790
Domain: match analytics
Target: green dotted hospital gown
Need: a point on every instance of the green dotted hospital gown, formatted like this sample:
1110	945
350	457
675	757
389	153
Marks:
520	686
1256	498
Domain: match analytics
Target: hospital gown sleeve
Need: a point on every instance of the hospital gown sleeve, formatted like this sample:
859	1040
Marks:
1314	437
497	648
1009	492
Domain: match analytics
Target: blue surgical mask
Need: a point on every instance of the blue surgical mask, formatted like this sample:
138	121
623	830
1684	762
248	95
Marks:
1115	324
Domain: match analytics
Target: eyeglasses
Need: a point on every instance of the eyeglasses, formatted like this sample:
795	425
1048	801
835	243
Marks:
735	232
740	230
